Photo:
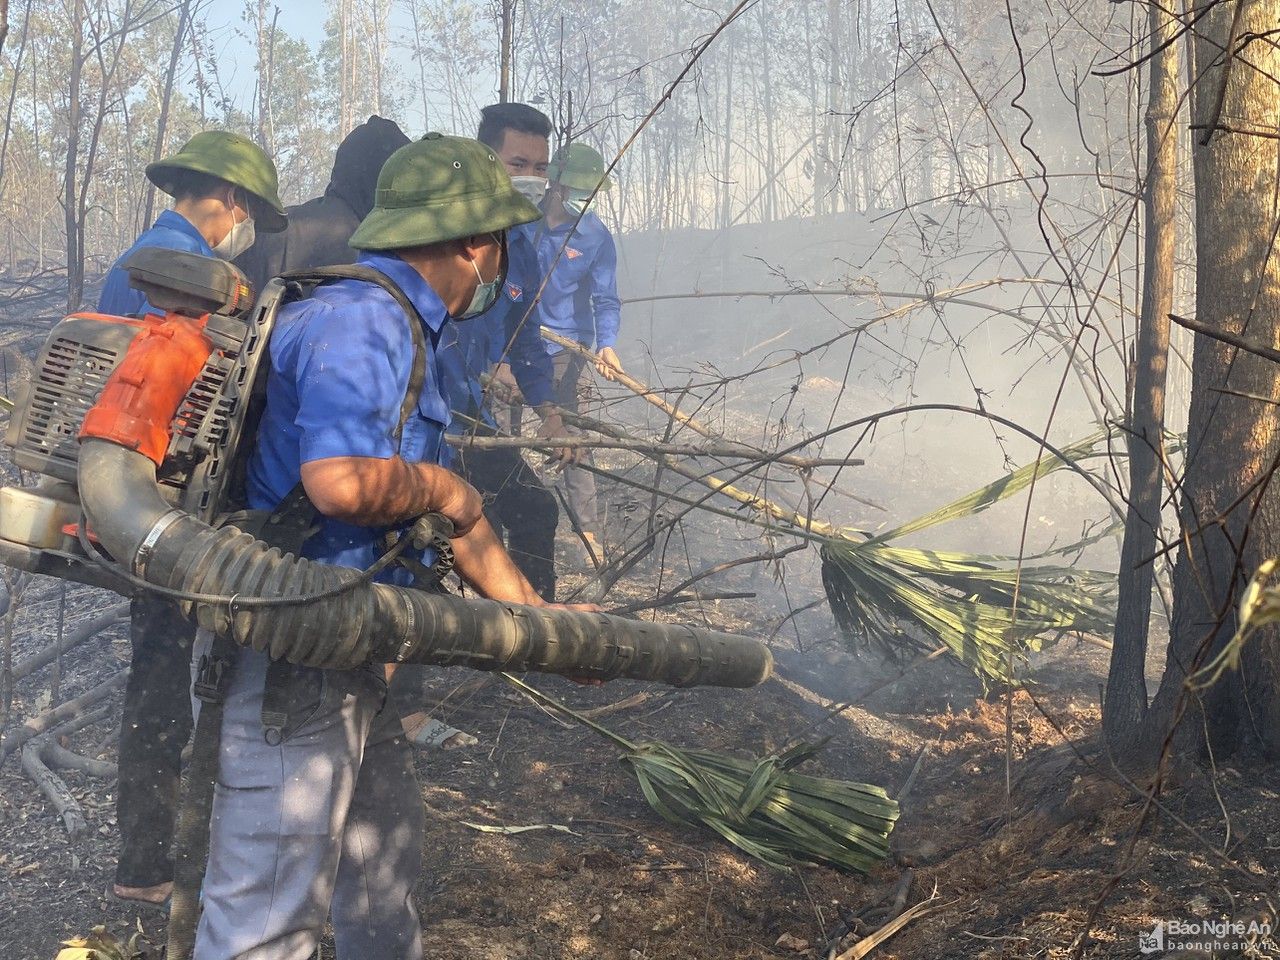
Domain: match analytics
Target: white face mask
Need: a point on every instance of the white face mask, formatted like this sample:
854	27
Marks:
238	239
532	189
575	201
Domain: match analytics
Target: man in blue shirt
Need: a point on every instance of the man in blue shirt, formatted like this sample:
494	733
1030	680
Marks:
507	344
222	186
579	300
329	816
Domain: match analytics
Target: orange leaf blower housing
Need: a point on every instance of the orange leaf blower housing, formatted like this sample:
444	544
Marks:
143	394
141	397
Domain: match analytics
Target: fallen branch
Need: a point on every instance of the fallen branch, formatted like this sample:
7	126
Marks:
90	628
760	505
649	448
675	599
36	759
911	778
59	757
644	391
861	923
52	786
60	714
864	946
635	700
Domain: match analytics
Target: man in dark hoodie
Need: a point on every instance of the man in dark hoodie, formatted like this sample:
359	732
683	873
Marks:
319	229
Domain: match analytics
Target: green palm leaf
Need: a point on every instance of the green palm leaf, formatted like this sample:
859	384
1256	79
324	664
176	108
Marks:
762	807
905	597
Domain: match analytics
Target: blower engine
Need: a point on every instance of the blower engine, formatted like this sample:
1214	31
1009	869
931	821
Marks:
140	429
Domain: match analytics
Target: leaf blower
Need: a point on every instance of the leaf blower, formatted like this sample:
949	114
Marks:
140	430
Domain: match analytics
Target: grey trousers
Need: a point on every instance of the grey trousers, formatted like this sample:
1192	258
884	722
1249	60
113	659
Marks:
571	383
330	819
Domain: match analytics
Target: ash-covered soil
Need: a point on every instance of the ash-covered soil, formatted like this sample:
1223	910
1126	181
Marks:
1014	871
625	884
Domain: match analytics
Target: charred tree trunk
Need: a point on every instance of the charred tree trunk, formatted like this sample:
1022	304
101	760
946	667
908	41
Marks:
1230	508
74	227
1126	700
166	97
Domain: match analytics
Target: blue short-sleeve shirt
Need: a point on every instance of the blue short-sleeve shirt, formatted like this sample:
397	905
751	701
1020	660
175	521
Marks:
171	231
339	368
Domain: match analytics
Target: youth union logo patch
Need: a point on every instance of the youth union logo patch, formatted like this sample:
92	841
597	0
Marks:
515	292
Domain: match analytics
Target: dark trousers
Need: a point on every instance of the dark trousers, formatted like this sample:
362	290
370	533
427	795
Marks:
155	727
516	500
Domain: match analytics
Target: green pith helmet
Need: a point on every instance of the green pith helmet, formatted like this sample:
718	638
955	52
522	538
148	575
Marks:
441	188
578	166
233	158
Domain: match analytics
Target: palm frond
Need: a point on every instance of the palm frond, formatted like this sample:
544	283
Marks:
910	597
1259	607
762	807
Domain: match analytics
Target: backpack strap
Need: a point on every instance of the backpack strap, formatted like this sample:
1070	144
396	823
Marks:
295	518
358	271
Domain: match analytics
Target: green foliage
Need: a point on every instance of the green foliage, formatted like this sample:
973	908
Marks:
1259	607
762	807
989	611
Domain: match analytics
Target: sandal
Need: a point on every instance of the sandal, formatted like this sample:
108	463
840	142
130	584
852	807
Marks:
436	733
135	904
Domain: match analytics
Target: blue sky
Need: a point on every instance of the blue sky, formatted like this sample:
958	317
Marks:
301	19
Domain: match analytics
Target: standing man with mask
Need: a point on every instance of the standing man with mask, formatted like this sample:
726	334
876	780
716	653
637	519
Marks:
504	345
224	190
508	344
329	816
579	300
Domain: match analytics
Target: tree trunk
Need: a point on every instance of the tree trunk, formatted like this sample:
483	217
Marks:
344	68
269	140
1229	512
726	157
166	97
13	97
508	8
4	23
771	170
1126	700
75	247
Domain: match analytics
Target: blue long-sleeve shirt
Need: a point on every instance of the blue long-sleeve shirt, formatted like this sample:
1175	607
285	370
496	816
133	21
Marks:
514	336
502	333
171	231
581	298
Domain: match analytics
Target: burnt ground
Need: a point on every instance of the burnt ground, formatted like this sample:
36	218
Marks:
625	884
1014	874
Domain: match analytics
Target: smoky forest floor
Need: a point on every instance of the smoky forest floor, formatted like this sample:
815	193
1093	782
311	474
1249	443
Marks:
1014	873
625	884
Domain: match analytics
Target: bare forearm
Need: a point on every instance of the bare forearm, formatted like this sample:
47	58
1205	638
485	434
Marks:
482	561
373	492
